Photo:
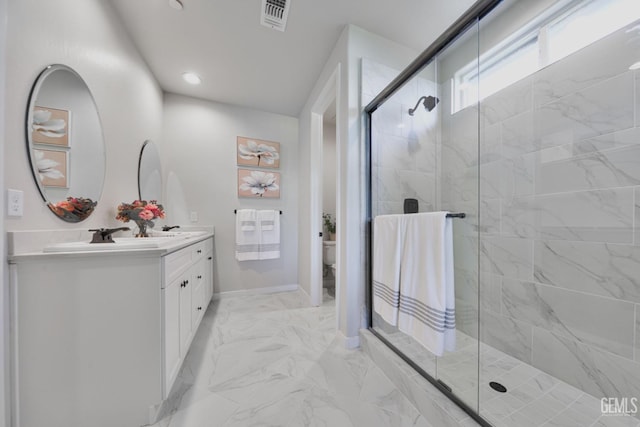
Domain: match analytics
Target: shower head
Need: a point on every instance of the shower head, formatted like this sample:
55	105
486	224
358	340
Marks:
429	103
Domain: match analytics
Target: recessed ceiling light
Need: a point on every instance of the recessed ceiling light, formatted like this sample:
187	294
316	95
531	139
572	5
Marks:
635	66
176	4
192	78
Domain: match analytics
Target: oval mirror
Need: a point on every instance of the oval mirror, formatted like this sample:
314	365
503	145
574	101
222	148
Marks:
65	142
149	173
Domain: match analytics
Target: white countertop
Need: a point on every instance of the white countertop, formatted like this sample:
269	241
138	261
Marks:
25	246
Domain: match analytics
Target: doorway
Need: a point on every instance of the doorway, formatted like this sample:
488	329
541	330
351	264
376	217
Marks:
329	193
324	113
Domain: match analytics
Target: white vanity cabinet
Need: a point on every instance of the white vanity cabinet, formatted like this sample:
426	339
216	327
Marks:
187	291
98	338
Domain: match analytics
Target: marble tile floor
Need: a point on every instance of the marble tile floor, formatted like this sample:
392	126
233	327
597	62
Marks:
533	399
271	360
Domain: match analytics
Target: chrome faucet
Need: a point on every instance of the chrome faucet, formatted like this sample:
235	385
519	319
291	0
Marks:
103	235
167	228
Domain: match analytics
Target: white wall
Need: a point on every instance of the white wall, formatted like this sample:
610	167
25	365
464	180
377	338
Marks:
308	231
88	37
200	139
354	44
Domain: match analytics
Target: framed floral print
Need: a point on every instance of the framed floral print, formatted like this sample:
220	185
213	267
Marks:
50	126
52	167
257	183
258	153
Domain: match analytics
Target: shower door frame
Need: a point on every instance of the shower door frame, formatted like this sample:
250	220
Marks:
471	17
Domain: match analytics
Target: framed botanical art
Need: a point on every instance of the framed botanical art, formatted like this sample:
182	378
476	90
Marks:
257	183
50	126
52	167
258	153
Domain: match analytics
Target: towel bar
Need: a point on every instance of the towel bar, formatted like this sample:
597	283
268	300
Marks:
456	215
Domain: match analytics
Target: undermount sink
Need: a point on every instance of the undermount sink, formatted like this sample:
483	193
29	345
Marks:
157	240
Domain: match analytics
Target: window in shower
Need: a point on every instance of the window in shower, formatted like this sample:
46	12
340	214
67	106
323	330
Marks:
556	33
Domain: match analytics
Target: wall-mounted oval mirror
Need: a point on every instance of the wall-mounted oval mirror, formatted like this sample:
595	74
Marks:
65	143
149	173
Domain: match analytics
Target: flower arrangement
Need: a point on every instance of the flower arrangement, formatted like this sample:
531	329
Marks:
73	209
329	222
142	213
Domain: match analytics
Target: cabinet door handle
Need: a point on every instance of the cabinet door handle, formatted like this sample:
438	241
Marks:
199	251
210	258
199	277
186	282
199	308
182	284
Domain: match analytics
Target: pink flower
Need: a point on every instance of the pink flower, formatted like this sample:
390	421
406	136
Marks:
139	210
66	205
145	214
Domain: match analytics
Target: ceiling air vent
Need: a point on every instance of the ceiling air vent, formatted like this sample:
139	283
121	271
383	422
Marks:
274	13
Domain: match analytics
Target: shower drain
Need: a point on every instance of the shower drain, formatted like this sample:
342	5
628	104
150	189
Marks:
498	387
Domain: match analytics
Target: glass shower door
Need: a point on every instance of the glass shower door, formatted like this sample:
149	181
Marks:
424	152
459	189
404	157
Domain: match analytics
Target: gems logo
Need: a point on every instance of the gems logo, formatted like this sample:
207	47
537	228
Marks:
625	406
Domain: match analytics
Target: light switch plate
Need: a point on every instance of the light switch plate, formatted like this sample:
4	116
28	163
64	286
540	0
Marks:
15	202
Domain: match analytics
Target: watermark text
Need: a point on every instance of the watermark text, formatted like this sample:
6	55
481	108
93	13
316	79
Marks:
619	406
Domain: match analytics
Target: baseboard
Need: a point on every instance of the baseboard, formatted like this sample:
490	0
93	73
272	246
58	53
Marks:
349	342
304	291
258	291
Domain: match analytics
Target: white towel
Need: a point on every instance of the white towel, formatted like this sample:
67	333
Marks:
267	219
427	298
247	241
269	236
247	219
388	236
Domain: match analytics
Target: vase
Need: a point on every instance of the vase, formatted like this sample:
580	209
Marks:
142	229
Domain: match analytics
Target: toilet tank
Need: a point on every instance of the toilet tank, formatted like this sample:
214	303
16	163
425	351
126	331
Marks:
329	252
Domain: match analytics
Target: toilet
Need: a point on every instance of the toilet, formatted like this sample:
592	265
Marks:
329	255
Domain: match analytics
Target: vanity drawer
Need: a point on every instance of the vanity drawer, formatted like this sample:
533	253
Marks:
176	263
200	249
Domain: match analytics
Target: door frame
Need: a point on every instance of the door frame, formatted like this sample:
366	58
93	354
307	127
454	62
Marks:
329	93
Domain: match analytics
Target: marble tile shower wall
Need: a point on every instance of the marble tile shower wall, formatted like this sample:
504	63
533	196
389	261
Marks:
404	147
405	164
559	223
459	193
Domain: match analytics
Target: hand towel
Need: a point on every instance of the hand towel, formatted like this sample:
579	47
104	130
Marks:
388	233
247	218
247	241
270	236
427	297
